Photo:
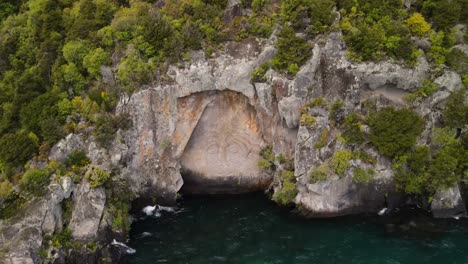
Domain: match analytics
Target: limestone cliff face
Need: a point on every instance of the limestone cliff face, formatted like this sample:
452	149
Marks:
201	133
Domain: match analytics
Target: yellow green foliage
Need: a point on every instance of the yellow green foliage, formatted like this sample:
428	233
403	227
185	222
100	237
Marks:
317	102
6	188
35	181
418	25
318	174
267	158
361	175
323	139
426	90
339	162
96	176
307	120
288	191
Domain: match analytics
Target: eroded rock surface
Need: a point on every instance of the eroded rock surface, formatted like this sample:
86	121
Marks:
88	208
448	203
221	155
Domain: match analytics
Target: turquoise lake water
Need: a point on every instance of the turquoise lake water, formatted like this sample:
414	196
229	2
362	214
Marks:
252	230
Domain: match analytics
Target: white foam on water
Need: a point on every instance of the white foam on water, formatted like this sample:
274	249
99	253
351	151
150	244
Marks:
156	210
382	212
128	249
148	210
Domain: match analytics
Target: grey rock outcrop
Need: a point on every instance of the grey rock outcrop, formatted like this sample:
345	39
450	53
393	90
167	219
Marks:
337	194
88	208
22	235
448	203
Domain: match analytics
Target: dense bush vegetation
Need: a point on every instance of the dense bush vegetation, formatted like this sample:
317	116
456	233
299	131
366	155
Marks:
393	131
352	129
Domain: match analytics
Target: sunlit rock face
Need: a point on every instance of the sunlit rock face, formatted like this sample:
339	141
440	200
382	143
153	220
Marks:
221	155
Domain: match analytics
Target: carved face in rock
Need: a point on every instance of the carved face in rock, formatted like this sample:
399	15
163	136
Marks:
226	140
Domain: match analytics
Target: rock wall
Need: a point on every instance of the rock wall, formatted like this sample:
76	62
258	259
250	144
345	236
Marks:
210	123
221	155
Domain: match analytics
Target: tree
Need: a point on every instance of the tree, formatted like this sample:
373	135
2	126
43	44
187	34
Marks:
291	50
94	59
74	52
17	148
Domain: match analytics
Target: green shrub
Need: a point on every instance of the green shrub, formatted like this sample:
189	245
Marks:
267	153
318	14
96	176
352	129
307	120
11	205
323	139
288	191
418	25
426	90
77	158
335	111
264	164
339	162
35	181
6	188
394	132
106	127
317	102
364	157
438	52
411	171
361	175
292	52
261	24
63	240
258	75
457	60
374	30
443	169
258	5
318	174
120	213
280	158
293	69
